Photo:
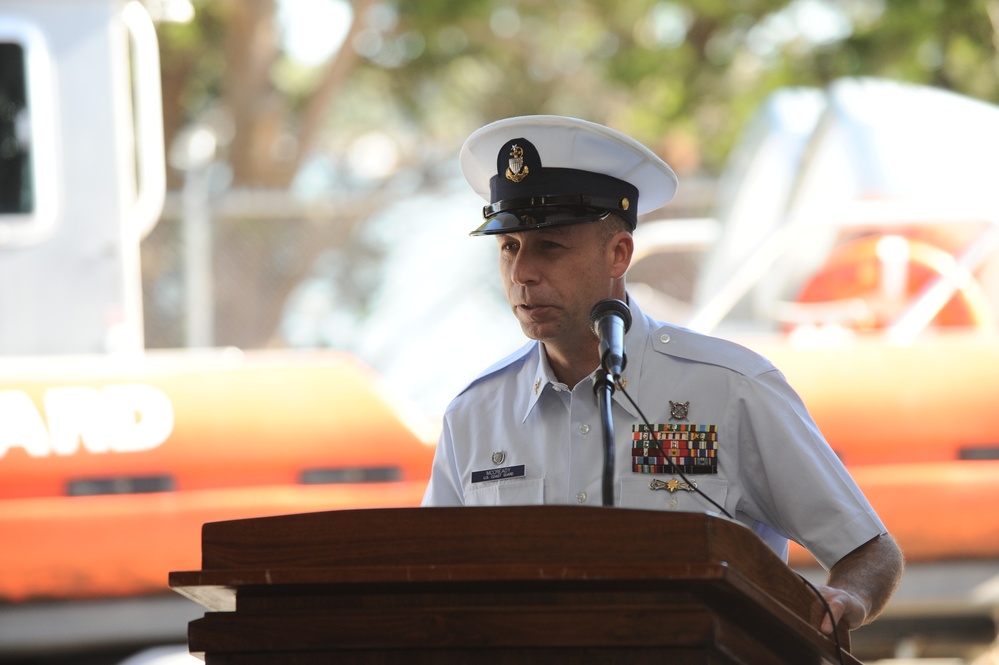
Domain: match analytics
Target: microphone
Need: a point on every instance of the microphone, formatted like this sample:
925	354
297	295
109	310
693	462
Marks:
609	320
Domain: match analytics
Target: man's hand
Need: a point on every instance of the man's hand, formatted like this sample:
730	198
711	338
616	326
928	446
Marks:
844	606
861	583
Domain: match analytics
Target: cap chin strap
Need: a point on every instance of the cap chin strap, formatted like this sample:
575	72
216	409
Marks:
602	203
523	220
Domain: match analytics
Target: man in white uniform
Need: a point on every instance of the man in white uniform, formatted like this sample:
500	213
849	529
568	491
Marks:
716	426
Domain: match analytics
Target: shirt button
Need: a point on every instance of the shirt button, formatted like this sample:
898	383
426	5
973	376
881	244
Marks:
581	497
664	338
584	428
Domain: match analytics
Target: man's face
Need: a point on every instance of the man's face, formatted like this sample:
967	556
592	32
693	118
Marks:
554	276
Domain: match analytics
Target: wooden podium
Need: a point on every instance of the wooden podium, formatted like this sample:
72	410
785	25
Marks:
539	584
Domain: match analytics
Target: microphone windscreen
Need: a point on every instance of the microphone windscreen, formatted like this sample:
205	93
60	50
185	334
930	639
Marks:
610	306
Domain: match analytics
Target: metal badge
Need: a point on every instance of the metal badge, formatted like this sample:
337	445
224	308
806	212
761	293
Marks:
537	384
672	485
499	457
678	410
517	171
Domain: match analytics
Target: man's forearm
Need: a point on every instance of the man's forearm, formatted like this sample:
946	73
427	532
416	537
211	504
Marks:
871	573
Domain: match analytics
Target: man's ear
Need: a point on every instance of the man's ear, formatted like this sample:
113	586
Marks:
621	248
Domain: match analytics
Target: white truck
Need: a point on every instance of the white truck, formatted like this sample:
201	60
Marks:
112	457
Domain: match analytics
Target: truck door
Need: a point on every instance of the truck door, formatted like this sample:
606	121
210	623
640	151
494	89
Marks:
82	174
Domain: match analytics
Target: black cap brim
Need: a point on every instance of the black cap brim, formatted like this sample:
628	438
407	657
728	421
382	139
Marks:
528	219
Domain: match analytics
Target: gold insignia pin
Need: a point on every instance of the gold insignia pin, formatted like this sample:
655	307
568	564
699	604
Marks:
537	384
517	171
672	485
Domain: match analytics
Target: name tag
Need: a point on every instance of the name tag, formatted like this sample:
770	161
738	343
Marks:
502	473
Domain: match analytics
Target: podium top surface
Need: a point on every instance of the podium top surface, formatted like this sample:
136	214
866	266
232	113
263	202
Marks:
528	543
441	536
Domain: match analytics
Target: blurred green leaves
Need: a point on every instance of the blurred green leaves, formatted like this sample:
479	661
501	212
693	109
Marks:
683	76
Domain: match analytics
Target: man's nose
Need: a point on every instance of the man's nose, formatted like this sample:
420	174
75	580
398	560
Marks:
525	268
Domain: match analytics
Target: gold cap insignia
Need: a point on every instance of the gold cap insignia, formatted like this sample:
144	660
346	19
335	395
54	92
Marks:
517	171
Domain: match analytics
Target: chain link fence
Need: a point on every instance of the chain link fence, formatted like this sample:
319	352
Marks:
263	245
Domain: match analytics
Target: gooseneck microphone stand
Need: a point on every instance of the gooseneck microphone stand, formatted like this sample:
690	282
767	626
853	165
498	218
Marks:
603	388
609	321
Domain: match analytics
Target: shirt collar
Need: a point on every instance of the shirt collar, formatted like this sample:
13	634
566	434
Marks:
542	378
634	343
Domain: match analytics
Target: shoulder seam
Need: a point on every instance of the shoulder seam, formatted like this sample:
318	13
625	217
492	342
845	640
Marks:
710	350
517	356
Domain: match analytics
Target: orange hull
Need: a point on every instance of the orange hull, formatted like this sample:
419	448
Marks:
236	421
936	512
876	403
107	546
918	428
264	436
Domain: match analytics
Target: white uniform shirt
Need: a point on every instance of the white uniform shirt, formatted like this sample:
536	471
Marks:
516	436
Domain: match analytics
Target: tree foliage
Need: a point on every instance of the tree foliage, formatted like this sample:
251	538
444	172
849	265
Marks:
415	77
682	75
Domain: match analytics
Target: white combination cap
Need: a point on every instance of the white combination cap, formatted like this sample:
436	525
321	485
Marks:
544	170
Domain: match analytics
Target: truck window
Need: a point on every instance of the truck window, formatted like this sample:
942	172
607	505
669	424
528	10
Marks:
16	190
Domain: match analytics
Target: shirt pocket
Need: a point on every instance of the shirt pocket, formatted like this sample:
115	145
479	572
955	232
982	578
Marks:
528	492
636	493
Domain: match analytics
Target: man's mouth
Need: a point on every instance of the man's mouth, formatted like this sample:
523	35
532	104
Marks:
533	310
